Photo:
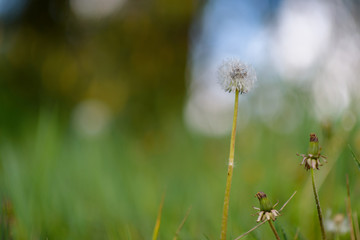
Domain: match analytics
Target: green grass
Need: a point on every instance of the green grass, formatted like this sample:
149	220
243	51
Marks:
64	186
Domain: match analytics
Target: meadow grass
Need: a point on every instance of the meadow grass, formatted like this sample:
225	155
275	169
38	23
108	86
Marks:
64	186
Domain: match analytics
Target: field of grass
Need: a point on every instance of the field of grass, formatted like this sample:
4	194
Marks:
57	184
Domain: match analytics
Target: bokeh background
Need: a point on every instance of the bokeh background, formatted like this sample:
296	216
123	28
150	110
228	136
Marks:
106	106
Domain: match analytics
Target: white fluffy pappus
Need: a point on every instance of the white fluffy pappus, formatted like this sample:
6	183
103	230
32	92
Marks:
234	75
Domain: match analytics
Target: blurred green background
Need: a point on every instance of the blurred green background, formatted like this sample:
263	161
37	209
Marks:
95	127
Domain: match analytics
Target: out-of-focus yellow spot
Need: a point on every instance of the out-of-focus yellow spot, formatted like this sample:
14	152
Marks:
114	92
60	73
68	77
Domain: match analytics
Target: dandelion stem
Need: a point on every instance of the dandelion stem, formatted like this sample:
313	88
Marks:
274	230
317	201
230	171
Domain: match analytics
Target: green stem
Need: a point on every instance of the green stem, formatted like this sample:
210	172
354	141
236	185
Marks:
348	209
274	230
230	171
317	201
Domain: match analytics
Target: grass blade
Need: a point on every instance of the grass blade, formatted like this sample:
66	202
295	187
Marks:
297	234
356	223
128	233
282	230
354	157
205	236
158	219
182	224
348	209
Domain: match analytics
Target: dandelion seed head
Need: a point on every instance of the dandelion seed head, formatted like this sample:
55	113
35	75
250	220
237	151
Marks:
337	223
234	75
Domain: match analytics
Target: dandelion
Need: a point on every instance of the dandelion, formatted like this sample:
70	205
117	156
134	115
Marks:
234	76
337	224
266	210
267	213
313	157
312	161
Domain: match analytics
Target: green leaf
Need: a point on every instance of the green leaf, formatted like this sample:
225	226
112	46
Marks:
354	156
281	230
205	237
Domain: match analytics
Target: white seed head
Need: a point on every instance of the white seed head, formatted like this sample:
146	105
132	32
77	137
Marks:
235	75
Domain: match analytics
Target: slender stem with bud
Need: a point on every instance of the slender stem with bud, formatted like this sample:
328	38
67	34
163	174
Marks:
274	230
318	205
266	220
230	171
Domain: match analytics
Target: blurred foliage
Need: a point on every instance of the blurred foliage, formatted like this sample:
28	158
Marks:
134	61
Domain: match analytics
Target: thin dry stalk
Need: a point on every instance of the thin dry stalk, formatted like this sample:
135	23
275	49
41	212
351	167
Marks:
158	219
287	201
244	234
182	224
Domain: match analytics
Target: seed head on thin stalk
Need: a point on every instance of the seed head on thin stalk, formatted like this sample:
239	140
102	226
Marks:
234	76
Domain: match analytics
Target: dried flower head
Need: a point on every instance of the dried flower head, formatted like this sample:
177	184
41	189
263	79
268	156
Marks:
235	75
266	210
313	157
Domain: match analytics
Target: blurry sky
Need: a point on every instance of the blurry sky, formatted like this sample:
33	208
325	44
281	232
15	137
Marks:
311	45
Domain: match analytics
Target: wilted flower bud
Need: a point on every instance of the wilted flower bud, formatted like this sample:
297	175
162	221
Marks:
265	204
266	211
312	158
235	75
313	144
